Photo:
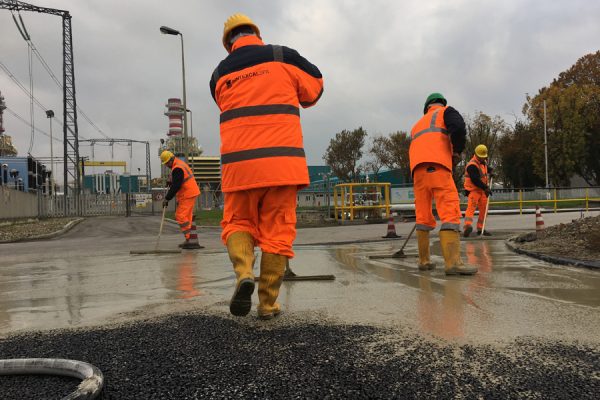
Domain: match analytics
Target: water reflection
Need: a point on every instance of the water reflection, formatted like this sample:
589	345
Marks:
186	280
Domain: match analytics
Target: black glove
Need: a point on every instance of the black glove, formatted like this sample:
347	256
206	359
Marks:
467	193
165	203
488	191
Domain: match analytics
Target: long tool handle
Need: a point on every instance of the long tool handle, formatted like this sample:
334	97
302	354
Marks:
162	221
401	251
487	207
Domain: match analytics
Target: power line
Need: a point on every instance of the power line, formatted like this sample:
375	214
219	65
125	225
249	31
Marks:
23	120
31	115
55	79
25	90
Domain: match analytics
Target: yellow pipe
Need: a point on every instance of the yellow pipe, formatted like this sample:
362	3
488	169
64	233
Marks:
351	203
555	200
520	202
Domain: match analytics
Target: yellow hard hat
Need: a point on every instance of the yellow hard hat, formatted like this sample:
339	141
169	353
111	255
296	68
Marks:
233	22
165	156
481	151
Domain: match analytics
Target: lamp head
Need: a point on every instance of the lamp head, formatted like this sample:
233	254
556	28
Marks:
169	31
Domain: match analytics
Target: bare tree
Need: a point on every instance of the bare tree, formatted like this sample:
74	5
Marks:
380	155
399	143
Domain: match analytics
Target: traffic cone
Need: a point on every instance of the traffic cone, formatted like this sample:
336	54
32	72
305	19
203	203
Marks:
391	229
539	220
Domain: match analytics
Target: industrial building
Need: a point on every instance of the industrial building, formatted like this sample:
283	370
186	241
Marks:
25	174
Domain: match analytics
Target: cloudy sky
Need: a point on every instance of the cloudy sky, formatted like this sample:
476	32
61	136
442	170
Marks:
379	59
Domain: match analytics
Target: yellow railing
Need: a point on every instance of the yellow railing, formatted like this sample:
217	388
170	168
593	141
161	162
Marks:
350	198
554	201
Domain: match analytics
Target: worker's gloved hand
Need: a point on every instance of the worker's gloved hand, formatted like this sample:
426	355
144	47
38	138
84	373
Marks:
488	192
165	203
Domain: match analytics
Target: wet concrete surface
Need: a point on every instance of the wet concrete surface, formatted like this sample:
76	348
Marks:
158	325
88	277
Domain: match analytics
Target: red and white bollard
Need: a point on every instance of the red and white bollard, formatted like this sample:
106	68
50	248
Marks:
539	220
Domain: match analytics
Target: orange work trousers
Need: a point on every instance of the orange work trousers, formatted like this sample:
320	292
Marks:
477	199
184	215
434	182
268	214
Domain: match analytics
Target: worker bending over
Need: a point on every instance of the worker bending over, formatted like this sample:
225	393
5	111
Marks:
477	190
185	189
437	140
259	89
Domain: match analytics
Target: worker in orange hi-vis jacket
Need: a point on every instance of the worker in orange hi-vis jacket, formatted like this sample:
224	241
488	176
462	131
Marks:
185	189
477	190
437	140
259	89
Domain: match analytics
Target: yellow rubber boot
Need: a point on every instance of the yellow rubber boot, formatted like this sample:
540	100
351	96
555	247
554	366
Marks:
272	268
425	263
450	242
240	246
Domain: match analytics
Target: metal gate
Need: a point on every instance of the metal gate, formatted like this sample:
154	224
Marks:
85	205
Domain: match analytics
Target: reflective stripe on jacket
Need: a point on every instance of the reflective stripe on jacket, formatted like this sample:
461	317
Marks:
259	89
189	187
483	174
430	140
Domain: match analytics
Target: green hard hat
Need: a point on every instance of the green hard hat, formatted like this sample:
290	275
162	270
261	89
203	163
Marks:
434	98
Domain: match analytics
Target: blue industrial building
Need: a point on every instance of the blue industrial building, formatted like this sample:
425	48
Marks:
24	173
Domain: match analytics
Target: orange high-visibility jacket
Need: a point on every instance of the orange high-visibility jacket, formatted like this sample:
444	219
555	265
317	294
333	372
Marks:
189	187
259	89
430	140
483	174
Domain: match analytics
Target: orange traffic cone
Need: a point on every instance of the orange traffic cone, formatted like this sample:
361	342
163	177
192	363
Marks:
539	220
391	229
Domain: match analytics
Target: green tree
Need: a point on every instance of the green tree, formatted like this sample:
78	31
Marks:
514	152
573	123
344	153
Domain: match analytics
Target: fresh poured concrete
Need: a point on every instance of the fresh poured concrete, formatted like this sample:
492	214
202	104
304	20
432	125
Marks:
88	277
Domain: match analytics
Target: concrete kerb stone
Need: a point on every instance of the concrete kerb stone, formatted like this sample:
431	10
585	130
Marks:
553	259
70	225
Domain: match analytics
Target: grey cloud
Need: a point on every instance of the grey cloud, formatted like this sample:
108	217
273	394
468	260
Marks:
379	59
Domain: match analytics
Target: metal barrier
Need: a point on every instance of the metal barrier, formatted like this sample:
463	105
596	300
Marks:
555	197
522	198
85	205
356	199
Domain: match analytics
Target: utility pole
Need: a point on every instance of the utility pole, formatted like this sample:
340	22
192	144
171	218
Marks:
50	115
546	145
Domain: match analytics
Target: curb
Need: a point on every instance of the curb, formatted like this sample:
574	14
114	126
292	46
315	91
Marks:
50	235
554	259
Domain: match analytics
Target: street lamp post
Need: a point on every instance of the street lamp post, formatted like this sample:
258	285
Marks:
546	146
170	31
50	115
191	124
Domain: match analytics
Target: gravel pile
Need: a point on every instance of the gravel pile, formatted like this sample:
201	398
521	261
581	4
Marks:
579	239
25	229
194	356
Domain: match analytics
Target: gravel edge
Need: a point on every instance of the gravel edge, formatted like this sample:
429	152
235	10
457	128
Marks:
70	225
554	259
